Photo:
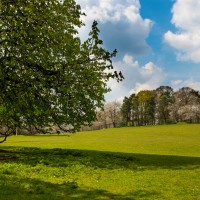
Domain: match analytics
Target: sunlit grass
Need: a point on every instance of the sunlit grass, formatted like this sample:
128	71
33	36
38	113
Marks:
158	162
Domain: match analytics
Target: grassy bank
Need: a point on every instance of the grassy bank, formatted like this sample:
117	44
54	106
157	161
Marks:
158	162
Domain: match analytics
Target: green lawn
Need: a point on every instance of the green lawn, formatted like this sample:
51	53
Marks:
157	162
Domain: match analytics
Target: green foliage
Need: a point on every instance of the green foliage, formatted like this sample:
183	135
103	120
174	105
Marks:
125	110
162	106
146	99
47	76
164	100
155	162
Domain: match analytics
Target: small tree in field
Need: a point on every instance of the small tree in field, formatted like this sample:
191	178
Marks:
47	75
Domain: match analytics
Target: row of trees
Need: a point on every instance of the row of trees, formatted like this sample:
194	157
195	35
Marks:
150	107
161	106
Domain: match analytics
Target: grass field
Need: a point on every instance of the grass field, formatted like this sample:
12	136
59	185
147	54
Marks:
157	162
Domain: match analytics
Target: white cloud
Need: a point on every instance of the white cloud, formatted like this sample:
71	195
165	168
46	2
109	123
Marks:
186	18
186	15
151	76
123	28
137	78
111	10
120	22
177	84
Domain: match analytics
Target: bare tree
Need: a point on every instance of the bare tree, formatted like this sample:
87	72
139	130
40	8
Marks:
113	112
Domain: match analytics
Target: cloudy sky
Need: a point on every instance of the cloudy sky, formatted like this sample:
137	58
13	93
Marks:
158	41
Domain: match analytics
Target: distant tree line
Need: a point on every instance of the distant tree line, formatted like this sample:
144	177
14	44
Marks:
150	107
161	106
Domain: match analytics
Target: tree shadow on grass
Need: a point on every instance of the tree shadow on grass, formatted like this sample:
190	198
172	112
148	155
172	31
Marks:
15	186
99	159
34	189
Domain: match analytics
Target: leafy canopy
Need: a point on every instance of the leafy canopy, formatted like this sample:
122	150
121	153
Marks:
47	75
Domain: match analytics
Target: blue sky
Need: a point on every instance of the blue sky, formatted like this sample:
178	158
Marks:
158	41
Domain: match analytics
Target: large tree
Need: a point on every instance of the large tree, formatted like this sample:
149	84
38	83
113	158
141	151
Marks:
47	75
